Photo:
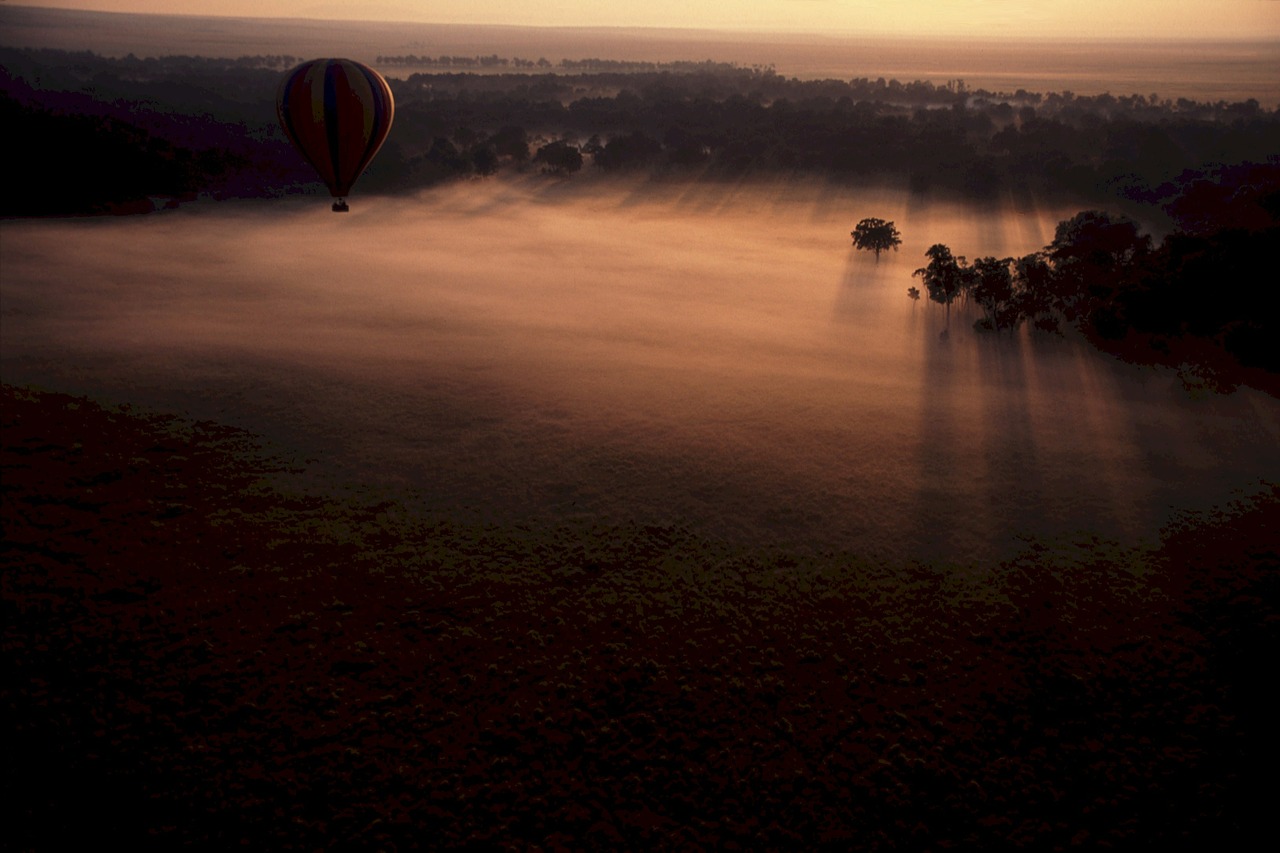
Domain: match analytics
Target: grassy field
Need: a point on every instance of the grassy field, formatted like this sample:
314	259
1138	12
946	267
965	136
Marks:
197	655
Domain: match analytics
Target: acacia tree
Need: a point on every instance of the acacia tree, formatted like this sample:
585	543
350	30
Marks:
876	235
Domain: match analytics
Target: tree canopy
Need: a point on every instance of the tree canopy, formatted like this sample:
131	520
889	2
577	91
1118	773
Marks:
1193	300
945	277
876	235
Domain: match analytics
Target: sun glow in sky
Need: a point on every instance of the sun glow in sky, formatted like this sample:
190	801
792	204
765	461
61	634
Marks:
968	18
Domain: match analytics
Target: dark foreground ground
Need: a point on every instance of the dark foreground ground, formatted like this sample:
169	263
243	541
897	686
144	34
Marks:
194	655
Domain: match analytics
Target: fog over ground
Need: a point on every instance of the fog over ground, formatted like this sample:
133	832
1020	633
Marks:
589	353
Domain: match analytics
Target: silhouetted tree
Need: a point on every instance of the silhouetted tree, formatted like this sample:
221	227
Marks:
945	277
1096	257
593	146
511	142
485	159
441	162
683	148
627	152
1164	303
1034	281
1102	240
993	289
559	158
876	235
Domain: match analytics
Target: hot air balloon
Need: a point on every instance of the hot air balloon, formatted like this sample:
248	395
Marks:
337	113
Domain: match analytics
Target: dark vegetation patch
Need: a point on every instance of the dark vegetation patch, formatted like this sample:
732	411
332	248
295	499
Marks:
1197	300
194	655
711	121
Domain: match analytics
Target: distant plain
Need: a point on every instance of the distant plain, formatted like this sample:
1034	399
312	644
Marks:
1199	70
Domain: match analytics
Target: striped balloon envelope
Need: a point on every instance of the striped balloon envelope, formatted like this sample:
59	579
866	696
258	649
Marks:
337	112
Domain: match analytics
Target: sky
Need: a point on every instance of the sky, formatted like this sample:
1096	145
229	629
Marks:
970	18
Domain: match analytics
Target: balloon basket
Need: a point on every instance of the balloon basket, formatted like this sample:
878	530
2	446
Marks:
340	206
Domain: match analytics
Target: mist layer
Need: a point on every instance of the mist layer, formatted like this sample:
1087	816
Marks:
583	353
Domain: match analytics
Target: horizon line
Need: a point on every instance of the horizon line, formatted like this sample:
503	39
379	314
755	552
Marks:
828	35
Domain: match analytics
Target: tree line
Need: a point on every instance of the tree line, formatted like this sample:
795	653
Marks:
705	121
492	61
